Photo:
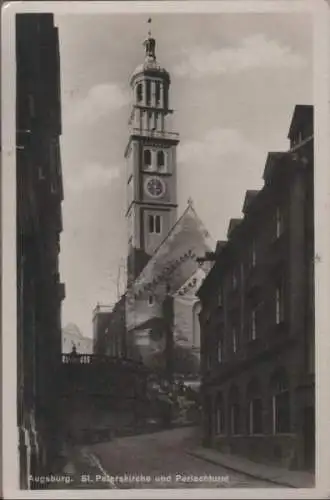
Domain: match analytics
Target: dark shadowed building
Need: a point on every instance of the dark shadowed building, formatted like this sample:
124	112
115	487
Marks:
101	317
109	329
257	318
39	224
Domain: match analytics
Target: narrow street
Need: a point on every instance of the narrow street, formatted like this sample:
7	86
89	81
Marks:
161	460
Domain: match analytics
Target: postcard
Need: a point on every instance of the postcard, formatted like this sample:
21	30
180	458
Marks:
166	249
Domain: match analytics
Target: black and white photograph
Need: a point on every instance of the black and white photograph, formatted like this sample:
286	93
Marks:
163	196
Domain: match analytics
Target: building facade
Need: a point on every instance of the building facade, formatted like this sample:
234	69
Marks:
257	316
109	330
39	224
101	319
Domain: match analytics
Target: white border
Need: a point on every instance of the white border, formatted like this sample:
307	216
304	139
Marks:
321	12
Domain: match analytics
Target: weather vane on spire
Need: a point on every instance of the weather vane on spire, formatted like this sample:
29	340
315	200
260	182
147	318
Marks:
149	22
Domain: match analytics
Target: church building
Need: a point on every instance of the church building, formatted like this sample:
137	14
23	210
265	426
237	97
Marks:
162	248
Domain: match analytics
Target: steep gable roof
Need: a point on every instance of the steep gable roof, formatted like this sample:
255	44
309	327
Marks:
249	197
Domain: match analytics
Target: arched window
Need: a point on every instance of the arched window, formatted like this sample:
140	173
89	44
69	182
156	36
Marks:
147	158
165	97
148	91
279	384
254	409
219	415
157	93
139	92
234	408
160	159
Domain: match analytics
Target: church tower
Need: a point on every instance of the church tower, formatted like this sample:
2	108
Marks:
151	162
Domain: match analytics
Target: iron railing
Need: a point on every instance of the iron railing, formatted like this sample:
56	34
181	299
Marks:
161	134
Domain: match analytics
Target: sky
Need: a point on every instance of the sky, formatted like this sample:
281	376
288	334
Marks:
235	79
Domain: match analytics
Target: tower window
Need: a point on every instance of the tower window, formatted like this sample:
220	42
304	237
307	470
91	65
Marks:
154	222
148	91
139	92
160	159
165	97
151	300
157	224
147	158
157	92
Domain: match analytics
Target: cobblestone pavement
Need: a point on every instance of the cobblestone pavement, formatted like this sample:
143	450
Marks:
160	460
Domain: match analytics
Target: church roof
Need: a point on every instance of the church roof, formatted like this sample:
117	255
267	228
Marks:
174	262
150	67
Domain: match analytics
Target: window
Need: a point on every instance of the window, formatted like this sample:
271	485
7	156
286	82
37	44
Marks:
151	224
234	410
234	339
255	416
148	91
234	280
219	421
157	224
220	350
154	224
279	298
219	415
151	300
279	222
253	332
253	254
139	93
147	158
160	159
157	93
281	406
234	418
165	97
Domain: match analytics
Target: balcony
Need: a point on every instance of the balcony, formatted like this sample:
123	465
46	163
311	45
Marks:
157	134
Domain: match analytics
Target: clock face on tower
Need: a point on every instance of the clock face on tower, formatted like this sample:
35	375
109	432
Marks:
155	187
